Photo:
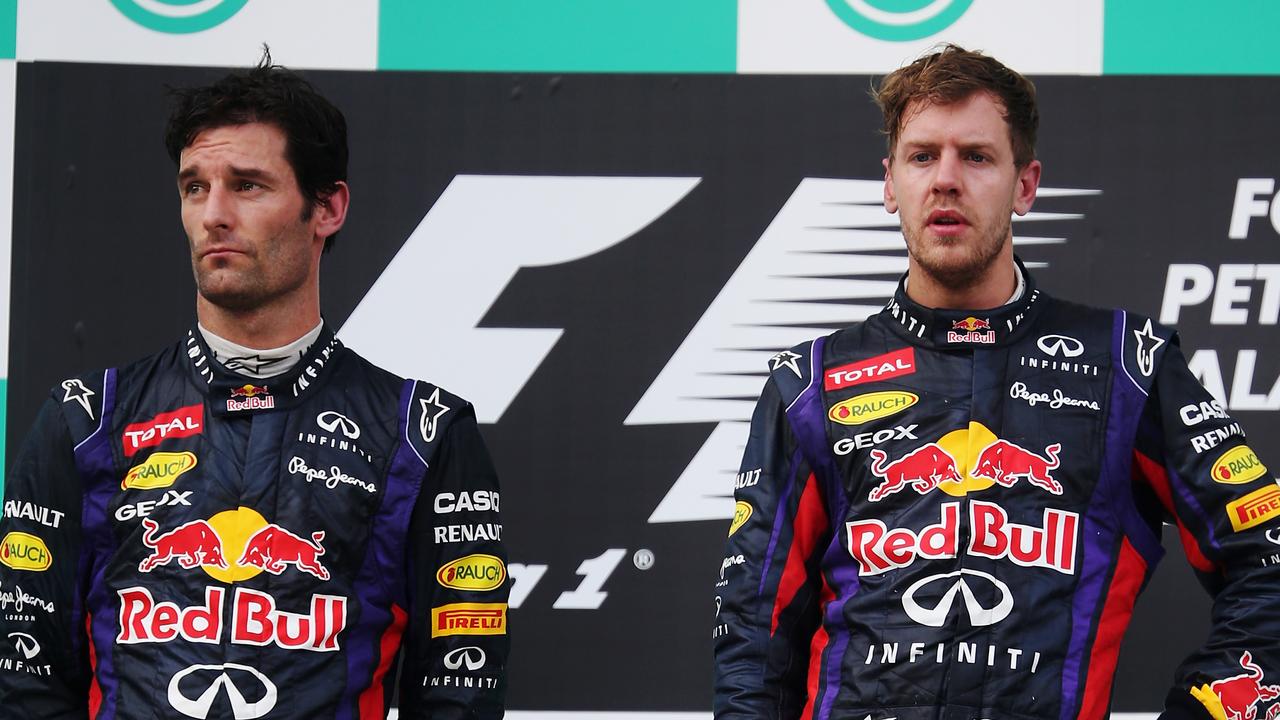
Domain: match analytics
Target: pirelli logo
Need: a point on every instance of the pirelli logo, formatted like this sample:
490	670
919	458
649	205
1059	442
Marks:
1255	508
469	619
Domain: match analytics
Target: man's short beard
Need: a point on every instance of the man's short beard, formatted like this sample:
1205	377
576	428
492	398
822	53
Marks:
967	273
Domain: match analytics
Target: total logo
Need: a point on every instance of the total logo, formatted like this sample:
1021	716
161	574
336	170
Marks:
972	330
1052	545
256	397
183	422
242	534
944	465
881	367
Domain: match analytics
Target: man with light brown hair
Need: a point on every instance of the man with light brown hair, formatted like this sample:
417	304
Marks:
949	509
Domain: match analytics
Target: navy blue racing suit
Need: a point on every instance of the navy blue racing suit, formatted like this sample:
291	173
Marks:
179	541
950	514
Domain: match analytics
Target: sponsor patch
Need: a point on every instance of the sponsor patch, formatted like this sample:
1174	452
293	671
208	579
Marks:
23	551
256	397
881	367
971	330
473	572
469	619
872	406
741	514
1255	508
183	422
1238	466
159	470
25	510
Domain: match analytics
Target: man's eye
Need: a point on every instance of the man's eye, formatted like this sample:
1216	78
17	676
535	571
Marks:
920	157
247	186
977	157
191	189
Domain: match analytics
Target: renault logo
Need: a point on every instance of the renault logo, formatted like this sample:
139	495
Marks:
209	681
979	616
1063	345
471	656
330	420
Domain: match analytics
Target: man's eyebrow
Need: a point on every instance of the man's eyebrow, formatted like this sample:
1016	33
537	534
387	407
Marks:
252	173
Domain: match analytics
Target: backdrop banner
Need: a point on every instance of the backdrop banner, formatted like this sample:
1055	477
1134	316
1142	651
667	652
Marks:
604	265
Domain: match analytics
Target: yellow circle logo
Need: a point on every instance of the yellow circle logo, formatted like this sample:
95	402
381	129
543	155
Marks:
1238	466
741	513
473	572
872	406
235	527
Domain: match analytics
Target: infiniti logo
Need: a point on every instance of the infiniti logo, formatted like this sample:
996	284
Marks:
1274	535
471	656
330	420
1061	345
979	616
25	644
246	679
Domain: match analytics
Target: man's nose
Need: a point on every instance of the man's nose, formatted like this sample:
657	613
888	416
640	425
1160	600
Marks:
218	209
947	174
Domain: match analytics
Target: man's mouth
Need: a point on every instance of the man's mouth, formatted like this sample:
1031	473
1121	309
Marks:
946	222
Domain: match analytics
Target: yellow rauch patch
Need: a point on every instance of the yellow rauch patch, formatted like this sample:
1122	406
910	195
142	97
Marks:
159	470
872	406
1238	466
741	513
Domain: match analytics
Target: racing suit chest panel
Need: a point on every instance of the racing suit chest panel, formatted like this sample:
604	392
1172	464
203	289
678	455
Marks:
964	465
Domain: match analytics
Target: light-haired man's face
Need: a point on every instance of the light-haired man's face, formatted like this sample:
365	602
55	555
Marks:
953	181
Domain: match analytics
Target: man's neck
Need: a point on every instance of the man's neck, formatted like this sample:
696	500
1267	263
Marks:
262	328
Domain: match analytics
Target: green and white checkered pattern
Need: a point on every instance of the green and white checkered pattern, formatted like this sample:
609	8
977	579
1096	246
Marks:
1085	37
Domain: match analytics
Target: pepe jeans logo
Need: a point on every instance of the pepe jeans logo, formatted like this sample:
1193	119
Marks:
899	20
179	17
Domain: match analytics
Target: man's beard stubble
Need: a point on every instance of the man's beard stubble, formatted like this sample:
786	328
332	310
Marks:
965	273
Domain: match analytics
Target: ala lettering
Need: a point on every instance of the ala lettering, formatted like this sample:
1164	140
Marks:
24	510
475	500
1206	367
861	441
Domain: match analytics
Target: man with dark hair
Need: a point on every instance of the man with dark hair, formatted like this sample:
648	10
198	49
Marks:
949	509
255	522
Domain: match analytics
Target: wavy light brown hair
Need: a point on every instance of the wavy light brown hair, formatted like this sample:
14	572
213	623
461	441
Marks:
950	75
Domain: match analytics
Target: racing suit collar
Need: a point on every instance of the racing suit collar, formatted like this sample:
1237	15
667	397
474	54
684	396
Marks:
959	328
230	393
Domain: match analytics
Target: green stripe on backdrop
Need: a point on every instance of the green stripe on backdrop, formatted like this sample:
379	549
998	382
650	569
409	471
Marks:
8	29
559	35
1191	37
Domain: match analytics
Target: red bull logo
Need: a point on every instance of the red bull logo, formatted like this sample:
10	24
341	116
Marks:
243	534
993	535
255	620
192	544
1240	695
273	549
971	330
945	465
256	397
1006	463
881	367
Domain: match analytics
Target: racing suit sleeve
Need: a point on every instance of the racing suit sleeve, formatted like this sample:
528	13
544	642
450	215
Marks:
768	589
1226	505
456	642
44	665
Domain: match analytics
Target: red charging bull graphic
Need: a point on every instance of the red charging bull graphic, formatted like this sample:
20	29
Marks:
273	548
1005	463
1241	694
922	469
249	391
192	544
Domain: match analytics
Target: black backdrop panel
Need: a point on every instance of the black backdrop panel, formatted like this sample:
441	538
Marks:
100	275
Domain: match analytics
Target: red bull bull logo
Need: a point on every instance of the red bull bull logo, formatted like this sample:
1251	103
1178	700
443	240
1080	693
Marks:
255	620
256	397
971	330
1239	695
936	465
273	549
993	535
243	534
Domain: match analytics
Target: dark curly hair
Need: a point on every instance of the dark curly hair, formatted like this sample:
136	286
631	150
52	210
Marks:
315	131
952	74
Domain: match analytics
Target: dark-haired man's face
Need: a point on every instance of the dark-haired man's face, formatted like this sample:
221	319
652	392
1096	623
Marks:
253	243
953	181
